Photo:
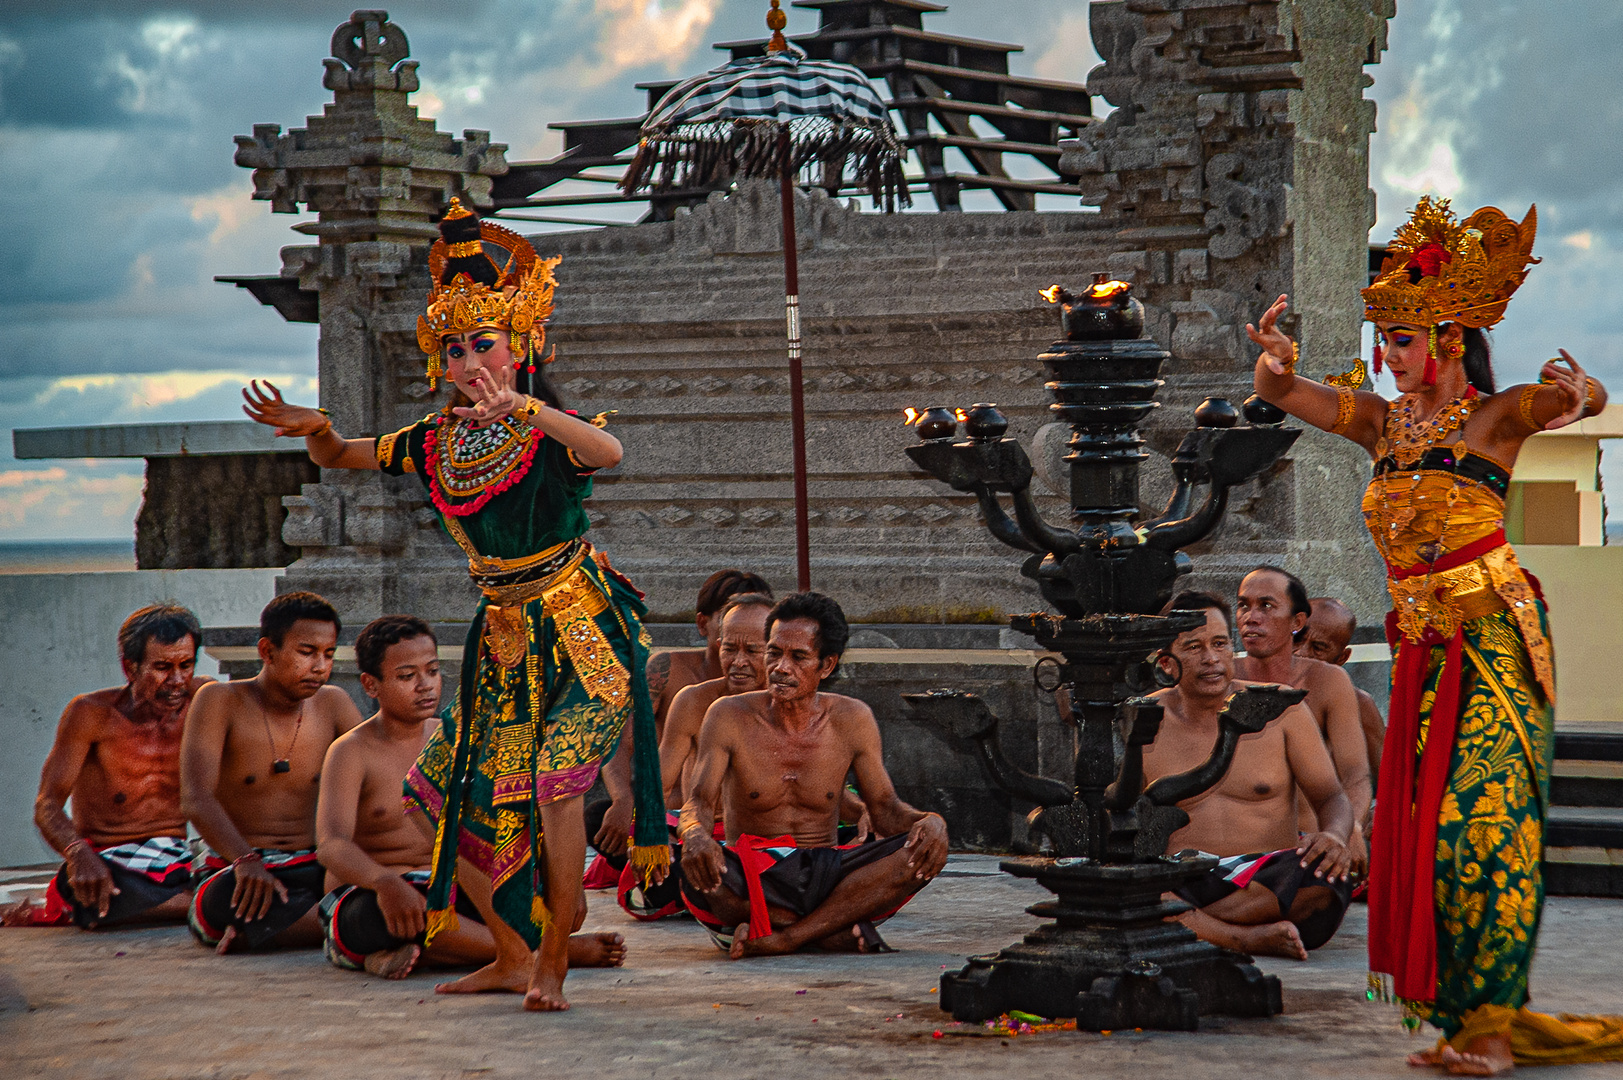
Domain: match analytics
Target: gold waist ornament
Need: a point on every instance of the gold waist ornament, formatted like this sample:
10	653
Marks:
1445	600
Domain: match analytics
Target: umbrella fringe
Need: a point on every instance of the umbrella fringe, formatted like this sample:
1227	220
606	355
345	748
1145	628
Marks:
714	154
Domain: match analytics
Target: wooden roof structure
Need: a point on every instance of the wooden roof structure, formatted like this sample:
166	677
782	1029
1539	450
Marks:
944	91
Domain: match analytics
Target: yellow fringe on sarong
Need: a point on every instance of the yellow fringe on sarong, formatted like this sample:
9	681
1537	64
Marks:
1541	1039
647	859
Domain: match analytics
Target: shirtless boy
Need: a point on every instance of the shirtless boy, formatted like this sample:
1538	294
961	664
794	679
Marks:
1329	638
1292	898
774	762
117	754
377	861
250	766
1272	614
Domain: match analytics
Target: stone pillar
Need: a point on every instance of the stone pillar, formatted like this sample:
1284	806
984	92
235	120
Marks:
1234	169
378	176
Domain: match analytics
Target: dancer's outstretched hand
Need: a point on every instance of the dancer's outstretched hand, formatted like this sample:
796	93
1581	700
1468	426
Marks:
269	409
1573	385
492	394
1275	345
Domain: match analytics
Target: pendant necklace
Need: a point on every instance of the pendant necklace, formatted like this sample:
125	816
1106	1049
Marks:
281	763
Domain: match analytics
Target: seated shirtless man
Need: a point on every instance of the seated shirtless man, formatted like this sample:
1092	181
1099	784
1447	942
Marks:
250	766
742	621
1272	615
1329	638
775	761
375	912
1274	893
117	753
608	822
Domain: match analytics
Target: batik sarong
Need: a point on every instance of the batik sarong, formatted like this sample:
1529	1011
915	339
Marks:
510	764
146	874
1281	873
215	880
353	926
775	873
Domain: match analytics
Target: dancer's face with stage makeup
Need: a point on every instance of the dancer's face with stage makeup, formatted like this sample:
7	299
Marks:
480	355
1403	349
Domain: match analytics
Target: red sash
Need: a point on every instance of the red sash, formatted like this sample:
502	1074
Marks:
755	861
1402	919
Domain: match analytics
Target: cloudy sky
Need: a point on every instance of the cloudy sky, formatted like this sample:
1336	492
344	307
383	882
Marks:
116	121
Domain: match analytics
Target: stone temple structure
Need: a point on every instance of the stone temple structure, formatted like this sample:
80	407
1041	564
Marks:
1232	169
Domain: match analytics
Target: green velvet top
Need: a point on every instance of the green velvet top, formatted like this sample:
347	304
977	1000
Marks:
513	490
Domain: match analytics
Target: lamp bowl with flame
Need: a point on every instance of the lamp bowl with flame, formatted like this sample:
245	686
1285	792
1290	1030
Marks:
935	423
1107	309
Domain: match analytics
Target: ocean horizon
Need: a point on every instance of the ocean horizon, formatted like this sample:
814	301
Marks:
66	556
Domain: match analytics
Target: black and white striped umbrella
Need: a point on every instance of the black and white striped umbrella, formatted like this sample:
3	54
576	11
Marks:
774	117
730	123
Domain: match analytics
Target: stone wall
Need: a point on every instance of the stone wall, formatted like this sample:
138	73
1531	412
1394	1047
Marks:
218	511
1233	169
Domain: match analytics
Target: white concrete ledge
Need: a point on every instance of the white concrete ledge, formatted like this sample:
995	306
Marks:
151	440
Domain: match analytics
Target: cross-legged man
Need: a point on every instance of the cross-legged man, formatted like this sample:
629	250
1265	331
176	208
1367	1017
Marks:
250	769
1329	638
1272	613
377	859
774	763
117	755
1273	893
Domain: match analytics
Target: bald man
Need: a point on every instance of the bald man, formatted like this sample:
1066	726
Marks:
1329	637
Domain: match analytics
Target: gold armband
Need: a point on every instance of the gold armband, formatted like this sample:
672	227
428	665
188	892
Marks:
529	410
1346	402
1524	405
1296	354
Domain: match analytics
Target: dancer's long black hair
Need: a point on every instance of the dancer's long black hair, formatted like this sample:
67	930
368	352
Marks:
1478	360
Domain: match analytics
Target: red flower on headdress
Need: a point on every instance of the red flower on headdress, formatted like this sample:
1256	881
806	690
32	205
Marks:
1430	259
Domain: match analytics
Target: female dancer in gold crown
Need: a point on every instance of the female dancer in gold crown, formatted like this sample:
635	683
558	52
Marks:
1455	886
553	669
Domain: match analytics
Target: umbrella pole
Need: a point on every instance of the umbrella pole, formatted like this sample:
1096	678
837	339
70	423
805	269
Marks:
797	394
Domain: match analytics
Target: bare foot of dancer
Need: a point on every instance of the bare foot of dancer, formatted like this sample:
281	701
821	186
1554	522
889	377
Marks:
768	945
1426	1059
228	942
1486	1056
499	976
393	963
596	950
546	989
1280	939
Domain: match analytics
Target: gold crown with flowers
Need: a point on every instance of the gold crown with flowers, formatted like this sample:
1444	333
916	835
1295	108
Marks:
470	292
1439	270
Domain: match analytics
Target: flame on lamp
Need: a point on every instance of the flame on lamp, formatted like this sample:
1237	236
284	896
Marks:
959	413
910	416
1104	290
1051	294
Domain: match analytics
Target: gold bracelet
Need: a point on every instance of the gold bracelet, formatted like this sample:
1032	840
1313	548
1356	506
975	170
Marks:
1290	365
1346	402
529	410
1590	386
1524	404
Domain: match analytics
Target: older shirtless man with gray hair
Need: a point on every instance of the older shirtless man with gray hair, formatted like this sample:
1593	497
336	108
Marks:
775	762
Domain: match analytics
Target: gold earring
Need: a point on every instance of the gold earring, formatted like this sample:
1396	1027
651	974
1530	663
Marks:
1455	350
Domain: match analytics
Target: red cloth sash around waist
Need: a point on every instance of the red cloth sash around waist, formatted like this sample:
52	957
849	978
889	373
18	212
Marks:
753	856
1402	920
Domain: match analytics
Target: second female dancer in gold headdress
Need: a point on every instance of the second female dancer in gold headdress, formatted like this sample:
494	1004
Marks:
552	674
1455	886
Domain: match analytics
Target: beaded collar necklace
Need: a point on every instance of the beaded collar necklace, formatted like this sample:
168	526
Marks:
1407	438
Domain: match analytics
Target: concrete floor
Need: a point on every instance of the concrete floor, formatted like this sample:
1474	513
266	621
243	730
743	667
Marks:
140	1004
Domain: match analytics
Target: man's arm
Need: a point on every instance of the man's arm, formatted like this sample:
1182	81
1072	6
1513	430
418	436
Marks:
88	875
1369	717
614	834
927	833
343	775
1315	774
702	860
681	737
201	748
1344	736
659	676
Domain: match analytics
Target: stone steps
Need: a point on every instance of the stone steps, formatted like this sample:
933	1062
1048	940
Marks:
1583	838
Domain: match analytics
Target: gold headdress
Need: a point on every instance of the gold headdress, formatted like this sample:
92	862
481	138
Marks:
1440	270
469	291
